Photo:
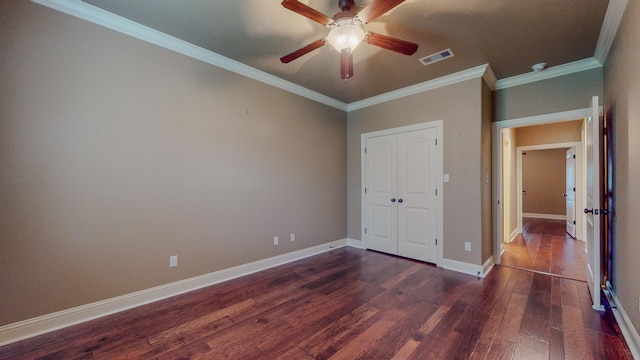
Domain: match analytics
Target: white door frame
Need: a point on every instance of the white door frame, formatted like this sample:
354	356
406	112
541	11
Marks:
438	124
506	194
571	178
580	191
496	141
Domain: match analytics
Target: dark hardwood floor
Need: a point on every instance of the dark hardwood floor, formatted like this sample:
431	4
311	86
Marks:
352	304
545	246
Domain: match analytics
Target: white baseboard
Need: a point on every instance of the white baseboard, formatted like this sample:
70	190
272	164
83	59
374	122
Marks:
43	324
513	235
626	326
545	216
488	266
358	244
463	267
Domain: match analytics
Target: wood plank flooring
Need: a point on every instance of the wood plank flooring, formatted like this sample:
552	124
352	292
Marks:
352	304
545	246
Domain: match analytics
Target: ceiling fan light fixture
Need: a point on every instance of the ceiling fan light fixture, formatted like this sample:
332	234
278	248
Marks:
345	35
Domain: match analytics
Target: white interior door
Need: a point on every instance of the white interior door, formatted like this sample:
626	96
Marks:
381	211
593	204
416	202
570	191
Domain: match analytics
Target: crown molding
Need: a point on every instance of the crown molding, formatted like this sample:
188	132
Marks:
101	17
560	70
609	29
117	23
98	16
473	73
490	77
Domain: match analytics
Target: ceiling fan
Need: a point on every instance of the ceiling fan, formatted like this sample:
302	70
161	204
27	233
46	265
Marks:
346	31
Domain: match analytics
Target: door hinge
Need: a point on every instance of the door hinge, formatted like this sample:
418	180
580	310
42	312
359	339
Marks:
436	141
574	222
574	189
365	150
574	156
365	230
436	242
436	192
365	190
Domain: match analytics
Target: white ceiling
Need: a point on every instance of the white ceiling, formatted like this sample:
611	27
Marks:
509	35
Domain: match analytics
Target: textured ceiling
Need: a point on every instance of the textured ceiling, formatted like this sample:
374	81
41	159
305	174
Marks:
510	35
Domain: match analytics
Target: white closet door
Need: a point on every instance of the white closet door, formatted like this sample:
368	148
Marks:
381	211
416	203
401	209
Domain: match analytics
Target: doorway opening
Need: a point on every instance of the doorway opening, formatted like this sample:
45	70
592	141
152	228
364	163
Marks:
533	220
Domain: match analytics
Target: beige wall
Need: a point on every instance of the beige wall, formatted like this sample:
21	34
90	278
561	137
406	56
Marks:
622	94
486	172
459	106
568	131
543	181
544	192
558	94
116	154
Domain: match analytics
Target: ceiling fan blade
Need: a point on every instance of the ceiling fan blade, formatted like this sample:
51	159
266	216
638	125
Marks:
393	44
346	64
302	51
376	9
305	10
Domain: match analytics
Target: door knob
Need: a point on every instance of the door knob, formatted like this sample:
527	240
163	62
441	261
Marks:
393	199
586	211
400	200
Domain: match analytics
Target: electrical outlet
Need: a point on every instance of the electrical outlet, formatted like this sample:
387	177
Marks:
293	237
173	260
467	246
275	240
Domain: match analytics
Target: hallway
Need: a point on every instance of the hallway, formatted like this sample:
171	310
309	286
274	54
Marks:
545	246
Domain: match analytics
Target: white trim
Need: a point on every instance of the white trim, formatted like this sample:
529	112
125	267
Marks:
125	26
513	235
544	119
464	267
473	73
55	321
562	116
545	216
490	77
438	124
629	332
120	24
610	25
43	324
488	266
555	71
358	244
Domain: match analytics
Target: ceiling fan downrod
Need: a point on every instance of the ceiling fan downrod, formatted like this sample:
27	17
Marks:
346	5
